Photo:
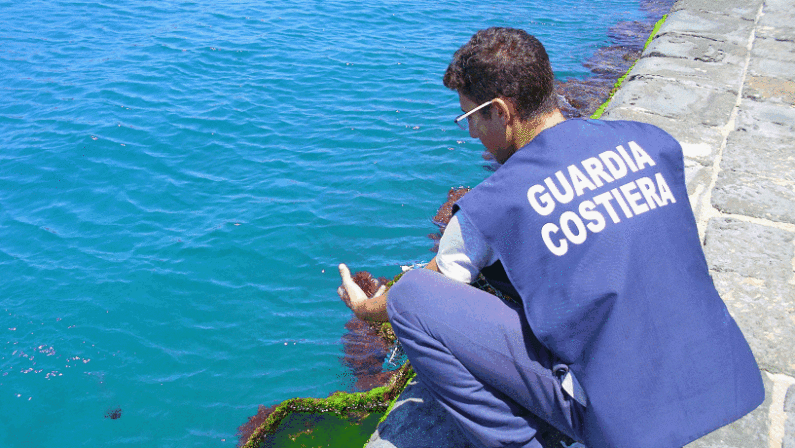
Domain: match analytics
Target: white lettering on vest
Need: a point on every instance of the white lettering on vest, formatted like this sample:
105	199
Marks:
536	193
570	217
580	181
604	200
665	192
641	157
626	158
576	227
649	192
633	198
568	192
621	202
614	164
597	172
597	221
556	250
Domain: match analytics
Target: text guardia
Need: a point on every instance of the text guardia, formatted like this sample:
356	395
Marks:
632	198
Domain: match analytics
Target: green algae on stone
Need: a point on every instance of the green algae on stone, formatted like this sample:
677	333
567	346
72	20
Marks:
302	429
332	415
617	85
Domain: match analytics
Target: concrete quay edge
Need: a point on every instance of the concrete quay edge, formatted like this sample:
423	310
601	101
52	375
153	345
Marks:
719	76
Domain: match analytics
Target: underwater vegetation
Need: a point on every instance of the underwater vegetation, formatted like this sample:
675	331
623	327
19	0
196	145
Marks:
344	418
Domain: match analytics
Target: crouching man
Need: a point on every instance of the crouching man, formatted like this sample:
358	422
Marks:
615	335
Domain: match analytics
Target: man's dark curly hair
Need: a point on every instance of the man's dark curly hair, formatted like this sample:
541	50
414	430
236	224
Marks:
506	63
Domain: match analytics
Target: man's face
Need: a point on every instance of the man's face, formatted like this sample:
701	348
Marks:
488	128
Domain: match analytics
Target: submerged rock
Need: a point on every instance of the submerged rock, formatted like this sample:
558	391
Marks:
347	413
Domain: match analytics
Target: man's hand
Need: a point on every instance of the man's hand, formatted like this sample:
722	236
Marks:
353	296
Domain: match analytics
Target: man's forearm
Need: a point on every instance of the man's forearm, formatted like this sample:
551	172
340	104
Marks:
374	309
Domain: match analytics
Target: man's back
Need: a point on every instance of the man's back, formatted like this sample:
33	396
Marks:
592	223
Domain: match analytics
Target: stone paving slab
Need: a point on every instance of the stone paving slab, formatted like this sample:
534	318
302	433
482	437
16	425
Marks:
765	47
745	10
696	48
674	100
709	75
749	194
766	118
763	309
778	20
707	23
750	250
757	153
773	68
699	143
765	88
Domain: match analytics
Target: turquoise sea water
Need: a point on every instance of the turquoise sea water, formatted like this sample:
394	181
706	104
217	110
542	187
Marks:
179	180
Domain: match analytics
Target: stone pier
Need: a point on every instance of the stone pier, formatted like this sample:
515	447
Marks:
719	76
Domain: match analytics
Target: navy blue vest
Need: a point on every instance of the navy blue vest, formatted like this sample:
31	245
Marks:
593	226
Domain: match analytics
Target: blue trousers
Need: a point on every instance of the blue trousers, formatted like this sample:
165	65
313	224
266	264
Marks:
480	360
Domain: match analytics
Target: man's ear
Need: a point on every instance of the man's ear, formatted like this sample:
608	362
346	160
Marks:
504	110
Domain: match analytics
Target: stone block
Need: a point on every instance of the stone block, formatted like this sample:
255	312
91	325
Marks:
778	18
772	90
718	76
745	10
765	312
750	250
697	179
720	26
756	153
749	431
773	49
776	28
750	194
766	118
418	421
685	104
699	143
772	68
696	48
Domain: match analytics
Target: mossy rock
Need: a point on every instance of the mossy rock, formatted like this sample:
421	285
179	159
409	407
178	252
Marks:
331	415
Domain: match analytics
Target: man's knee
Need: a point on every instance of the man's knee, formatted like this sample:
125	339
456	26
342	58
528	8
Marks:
409	292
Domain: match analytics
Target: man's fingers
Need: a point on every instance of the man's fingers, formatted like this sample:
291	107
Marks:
380	291
347	281
345	273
